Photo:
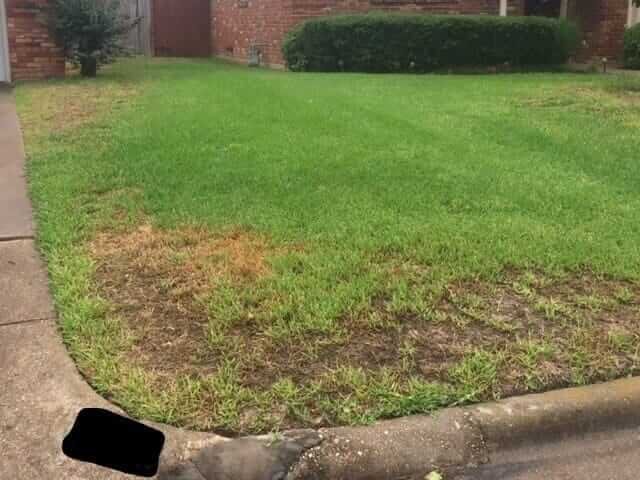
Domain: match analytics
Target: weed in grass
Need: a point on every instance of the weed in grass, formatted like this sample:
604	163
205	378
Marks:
477	374
533	356
623	295
594	303
551	308
623	341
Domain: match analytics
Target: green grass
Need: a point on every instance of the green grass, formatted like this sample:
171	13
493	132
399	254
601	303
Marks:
377	197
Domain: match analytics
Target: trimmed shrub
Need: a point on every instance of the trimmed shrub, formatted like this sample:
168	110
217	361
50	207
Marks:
382	42
632	48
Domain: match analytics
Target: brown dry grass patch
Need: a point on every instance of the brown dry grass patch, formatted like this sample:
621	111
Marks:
537	332
59	107
158	282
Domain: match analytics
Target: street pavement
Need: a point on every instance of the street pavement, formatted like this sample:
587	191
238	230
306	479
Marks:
606	456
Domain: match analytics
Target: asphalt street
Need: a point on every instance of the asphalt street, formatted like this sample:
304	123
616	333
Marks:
607	456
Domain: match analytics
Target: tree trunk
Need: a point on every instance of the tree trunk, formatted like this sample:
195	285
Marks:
89	67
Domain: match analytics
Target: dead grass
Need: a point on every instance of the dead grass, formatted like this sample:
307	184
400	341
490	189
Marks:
60	107
620	93
158	282
526	333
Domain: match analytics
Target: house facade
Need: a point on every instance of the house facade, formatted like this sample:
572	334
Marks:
242	26
27	50
239	27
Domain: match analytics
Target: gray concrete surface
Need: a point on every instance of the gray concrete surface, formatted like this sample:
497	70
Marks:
40	392
558	415
401	448
24	292
525	437
15	214
605	456
39	398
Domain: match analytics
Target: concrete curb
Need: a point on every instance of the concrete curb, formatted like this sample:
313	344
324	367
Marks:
457	438
560	414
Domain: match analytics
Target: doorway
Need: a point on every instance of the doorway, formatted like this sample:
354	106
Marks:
5	73
543	8
181	29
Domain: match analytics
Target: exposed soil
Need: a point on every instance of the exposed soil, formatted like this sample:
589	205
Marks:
544	332
158	282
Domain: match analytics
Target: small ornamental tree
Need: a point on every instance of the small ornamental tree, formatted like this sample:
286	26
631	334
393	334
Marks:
90	31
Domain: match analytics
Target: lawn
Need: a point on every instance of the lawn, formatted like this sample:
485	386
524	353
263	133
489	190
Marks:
241	250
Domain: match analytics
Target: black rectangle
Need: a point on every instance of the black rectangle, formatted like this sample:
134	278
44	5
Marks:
113	441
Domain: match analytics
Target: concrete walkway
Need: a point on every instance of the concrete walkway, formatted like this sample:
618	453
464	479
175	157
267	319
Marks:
40	390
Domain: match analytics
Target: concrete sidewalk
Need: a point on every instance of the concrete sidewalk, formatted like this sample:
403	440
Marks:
15	207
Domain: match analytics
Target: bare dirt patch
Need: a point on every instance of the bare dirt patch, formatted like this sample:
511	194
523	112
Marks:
483	339
158	282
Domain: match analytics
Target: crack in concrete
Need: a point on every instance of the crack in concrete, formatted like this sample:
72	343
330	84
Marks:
31	320
15	238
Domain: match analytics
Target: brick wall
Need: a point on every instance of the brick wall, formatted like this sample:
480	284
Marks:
603	24
32	52
238	24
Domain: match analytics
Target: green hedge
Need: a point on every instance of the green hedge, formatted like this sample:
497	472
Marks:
632	48
401	43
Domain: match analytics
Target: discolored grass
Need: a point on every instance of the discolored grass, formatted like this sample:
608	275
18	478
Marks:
180	295
245	250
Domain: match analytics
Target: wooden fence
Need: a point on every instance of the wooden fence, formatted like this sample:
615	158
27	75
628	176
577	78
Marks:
138	41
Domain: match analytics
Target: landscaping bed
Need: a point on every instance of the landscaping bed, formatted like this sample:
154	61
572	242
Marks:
243	250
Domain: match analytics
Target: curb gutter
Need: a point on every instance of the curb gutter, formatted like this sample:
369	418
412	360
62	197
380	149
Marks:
412	447
453	439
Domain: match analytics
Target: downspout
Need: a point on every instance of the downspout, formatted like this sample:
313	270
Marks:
632	16
503	8
564	8
4	42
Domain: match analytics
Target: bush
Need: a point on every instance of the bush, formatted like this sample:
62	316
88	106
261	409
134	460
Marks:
90	31
400	43
632	48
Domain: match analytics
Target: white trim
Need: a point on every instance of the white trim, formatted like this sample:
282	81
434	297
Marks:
503	8
633	16
564	8
5	71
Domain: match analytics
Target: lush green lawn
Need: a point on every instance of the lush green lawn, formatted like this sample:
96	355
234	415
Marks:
244	250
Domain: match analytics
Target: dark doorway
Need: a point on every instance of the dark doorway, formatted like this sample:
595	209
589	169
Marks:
181	28
542	8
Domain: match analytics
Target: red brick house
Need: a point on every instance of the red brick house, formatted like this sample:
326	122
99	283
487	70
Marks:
27	50
241	25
